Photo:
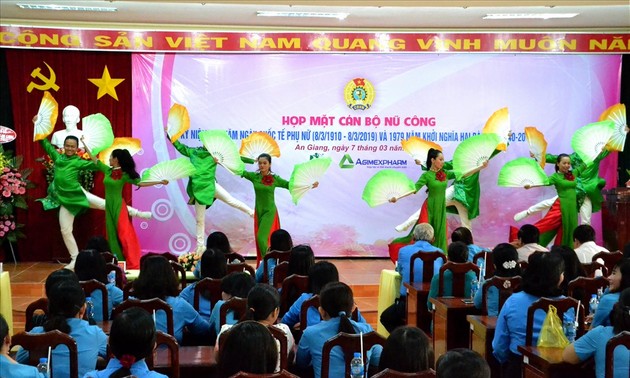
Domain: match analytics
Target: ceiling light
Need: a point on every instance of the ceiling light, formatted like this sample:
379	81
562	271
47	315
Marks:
337	15
516	16
66	8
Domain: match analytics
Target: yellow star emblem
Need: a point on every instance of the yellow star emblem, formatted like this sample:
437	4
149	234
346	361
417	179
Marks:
106	85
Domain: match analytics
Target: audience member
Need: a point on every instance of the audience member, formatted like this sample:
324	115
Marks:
619	280
280	241
248	347
212	265
528	238
66	307
98	243
90	265
572	267
460	362
131	340
336	305
505	261
301	260
158	280
9	368
626	251
395	315
463	234
237	284
584	243
457	253
542	278
217	241
593	343
53	278
407	350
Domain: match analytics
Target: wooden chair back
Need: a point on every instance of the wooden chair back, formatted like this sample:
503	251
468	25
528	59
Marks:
282	374
179	271
39	305
170	342
428	260
279	335
505	286
610	259
524	265
389	373
211	286
582	288
279	274
238	305
314	302
128	290
233	256
458	271
109	257
280	256
241	267
622	339
349	344
93	285
37	345
562	305
292	287
592	268
149	305
118	272
488	263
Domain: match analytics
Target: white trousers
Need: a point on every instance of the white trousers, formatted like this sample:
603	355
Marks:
586	210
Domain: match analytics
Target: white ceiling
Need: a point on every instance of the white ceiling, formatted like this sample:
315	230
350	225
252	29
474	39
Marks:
365	15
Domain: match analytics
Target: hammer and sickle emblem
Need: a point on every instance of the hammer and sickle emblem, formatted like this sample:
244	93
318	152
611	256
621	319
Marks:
48	82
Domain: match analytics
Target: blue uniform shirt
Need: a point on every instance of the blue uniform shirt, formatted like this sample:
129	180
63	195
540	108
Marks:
114	298
138	370
448	285
10	370
215	317
184	315
593	343
404	260
602	314
205	306
292	316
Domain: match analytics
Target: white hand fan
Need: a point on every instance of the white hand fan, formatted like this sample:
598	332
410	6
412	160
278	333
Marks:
178	121
588	141
46	117
305	175
473	152
537	144
385	185
418	148
520	172
169	170
98	133
133	145
222	148
499	123
617	114
258	143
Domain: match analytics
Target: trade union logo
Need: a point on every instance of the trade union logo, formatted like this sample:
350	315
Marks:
359	94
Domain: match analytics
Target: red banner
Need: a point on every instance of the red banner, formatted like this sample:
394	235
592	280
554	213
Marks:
324	42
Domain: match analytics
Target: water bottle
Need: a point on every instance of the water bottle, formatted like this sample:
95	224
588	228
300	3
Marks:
600	294
111	277
474	286
569	326
89	310
356	366
592	304
42	366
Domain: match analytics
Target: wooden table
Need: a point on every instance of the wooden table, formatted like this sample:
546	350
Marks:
481	334
547	362
194	361
450	328
418	314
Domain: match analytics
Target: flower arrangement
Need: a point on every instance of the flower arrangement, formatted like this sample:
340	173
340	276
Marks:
86	178
189	260
13	185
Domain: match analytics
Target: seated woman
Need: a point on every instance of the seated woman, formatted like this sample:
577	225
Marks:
158	280
52	279
263	306
280	240
505	261
407	350
593	343
237	284
218	241
212	265
301	260
453	363
336	305
248	347
463	234
619	280
572	268
9	368
90	265
66	307
542	278
457	253
131	340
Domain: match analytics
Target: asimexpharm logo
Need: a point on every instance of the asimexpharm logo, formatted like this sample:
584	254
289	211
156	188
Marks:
359	94
347	162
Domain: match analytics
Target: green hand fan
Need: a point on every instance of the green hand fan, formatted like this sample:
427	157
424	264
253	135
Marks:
169	170
588	141
473	152
222	148
305	175
385	185
520	172
97	132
